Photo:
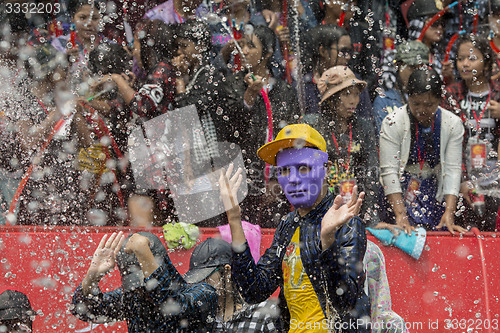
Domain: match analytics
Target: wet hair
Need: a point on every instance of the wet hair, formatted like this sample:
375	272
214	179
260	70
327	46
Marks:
44	60
157	43
267	38
424	80
483	46
109	59
322	35
75	5
197	32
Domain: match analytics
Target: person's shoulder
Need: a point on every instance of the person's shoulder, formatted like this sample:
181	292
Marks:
456	88
387	95
397	115
450	117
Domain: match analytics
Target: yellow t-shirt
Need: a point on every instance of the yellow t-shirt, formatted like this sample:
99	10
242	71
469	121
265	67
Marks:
306	314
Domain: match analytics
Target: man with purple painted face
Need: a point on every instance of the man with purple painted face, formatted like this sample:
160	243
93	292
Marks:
316	257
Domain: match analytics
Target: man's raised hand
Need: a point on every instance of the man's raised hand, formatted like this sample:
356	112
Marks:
338	215
104	257
228	186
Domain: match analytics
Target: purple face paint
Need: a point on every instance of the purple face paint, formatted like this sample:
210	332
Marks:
301	173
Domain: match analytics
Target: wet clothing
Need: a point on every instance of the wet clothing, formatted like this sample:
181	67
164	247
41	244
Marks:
166	305
421	207
253	318
156	96
361	161
338	267
253	130
298	290
216	102
439	174
384	104
471	107
53	194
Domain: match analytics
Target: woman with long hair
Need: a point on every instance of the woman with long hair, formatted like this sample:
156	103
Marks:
475	98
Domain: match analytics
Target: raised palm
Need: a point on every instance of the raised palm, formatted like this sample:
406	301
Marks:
338	215
228	186
104	258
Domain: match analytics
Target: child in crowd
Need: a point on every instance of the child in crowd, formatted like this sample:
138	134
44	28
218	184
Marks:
54	193
84	37
363	33
419	13
260	122
327	46
475	99
349	139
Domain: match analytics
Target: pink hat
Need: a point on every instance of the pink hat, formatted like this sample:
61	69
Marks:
336	79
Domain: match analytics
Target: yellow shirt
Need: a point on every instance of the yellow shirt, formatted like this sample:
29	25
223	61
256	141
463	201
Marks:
306	314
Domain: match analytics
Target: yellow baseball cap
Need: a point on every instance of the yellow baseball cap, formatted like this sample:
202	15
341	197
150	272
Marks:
291	136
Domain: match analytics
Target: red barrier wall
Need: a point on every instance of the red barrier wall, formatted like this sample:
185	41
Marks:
445	286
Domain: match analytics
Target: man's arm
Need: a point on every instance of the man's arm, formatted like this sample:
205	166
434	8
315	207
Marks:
166	288
139	246
256	281
342	265
89	303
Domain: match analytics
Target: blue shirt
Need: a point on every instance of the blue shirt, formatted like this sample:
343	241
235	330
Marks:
165	305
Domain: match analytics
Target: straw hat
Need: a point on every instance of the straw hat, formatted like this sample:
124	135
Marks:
336	79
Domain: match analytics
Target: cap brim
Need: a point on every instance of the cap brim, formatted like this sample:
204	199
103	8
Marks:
268	152
199	274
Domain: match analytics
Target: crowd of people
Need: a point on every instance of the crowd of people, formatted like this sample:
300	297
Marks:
79	81
348	114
